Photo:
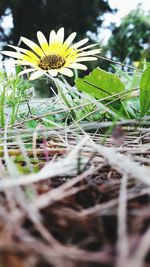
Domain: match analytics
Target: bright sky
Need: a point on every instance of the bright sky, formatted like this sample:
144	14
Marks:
123	7
7	21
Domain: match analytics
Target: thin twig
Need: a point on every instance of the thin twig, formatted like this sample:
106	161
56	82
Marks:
118	63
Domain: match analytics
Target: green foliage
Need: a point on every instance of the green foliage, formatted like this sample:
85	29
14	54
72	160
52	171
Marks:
100	84
13	91
98	96
128	39
31	124
145	91
110	89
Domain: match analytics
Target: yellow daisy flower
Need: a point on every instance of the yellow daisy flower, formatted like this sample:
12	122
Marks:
53	57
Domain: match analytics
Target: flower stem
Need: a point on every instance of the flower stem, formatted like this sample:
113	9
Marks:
2	114
60	90
12	120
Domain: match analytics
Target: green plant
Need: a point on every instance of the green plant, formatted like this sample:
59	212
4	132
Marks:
13	91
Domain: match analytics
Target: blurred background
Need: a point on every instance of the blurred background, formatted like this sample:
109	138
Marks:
121	28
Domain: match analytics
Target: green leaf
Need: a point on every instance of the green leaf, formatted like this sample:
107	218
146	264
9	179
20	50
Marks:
145	91
100	84
31	124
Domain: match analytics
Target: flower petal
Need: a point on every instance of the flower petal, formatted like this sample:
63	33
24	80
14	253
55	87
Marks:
25	71
20	56
36	74
88	53
12	54
60	35
33	46
23	63
86	47
80	43
85	59
52	37
70	38
78	66
25	51
53	73
43	42
66	71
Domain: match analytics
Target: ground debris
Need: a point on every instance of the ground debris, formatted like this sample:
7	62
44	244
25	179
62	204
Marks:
74	197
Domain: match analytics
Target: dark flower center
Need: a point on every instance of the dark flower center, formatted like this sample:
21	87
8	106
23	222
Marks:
51	62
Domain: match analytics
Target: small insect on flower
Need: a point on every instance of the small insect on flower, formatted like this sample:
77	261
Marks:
53	57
